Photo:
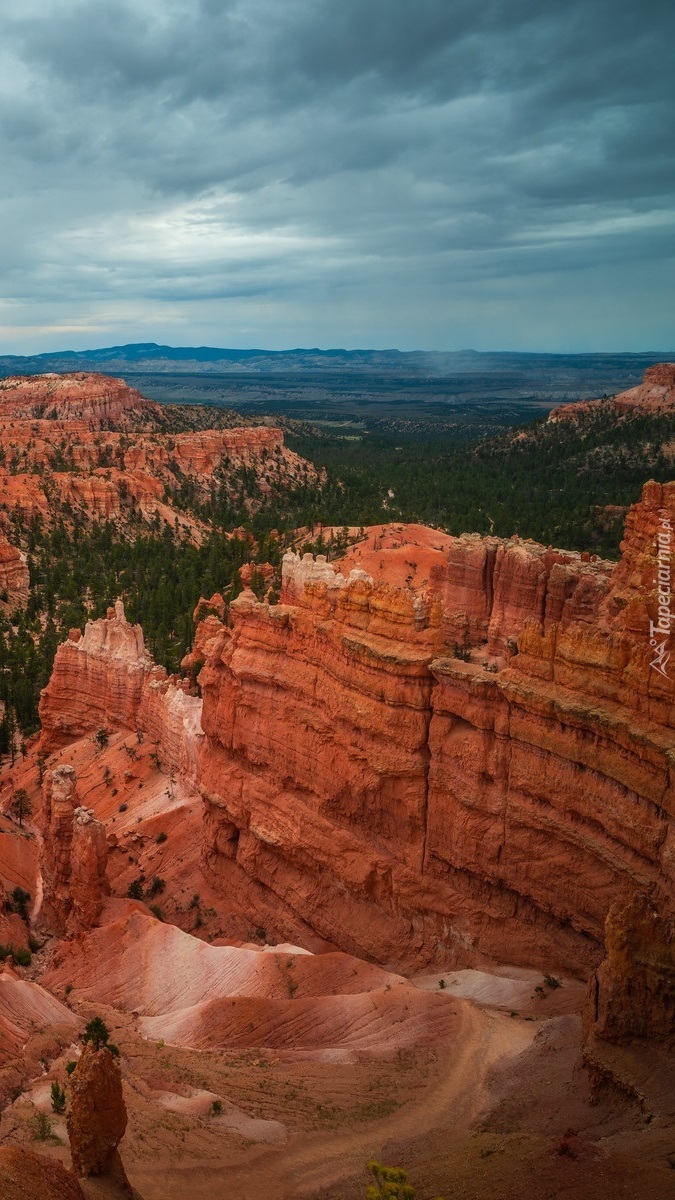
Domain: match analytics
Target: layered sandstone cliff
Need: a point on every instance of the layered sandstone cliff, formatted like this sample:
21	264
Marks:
632	994
97	401
656	394
473	760
416	807
14	577
105	680
96	446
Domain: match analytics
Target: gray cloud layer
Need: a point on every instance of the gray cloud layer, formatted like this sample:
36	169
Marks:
368	172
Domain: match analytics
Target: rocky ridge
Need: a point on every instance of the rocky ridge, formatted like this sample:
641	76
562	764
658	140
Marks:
93	445
656	394
477	765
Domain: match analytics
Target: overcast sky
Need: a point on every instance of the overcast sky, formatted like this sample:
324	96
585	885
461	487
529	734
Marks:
432	174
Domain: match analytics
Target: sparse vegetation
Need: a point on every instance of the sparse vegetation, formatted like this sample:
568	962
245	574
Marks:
58	1098
21	806
389	1183
21	956
41	1126
96	1033
551	981
18	902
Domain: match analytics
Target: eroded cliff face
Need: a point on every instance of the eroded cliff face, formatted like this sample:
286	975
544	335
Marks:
14	577
94	400
106	680
414	807
73	857
475	760
629	1018
632	994
655	394
95	445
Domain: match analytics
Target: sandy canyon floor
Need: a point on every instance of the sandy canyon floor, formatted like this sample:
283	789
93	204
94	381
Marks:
476	1087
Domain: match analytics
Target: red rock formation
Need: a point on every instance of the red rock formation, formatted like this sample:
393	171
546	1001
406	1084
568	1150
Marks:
406	804
106	680
88	878
260	574
56	820
414	807
97	1118
94	444
632	994
24	1008
97	681
656	393
98	401
73	857
14	577
25	1175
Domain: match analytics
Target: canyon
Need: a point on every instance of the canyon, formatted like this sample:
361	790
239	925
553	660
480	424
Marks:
472	765
387	862
88	447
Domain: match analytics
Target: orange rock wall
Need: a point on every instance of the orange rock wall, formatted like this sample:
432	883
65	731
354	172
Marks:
106	680
405	804
417	808
14	577
93	443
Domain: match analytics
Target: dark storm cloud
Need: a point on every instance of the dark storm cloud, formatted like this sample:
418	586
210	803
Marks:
362	171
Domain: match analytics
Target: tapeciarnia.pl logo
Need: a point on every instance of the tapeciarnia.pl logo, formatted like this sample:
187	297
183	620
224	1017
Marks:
659	631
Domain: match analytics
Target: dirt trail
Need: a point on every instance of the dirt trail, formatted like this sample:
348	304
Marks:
310	1161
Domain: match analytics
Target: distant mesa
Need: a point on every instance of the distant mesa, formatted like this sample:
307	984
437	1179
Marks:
89	446
656	394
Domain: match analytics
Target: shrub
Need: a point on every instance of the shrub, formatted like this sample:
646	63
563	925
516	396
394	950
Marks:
41	1126
71	1066
161	837
58	1098
390	1183
19	902
157	912
551	981
22	956
135	890
101	737
441	984
216	1107
156	886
